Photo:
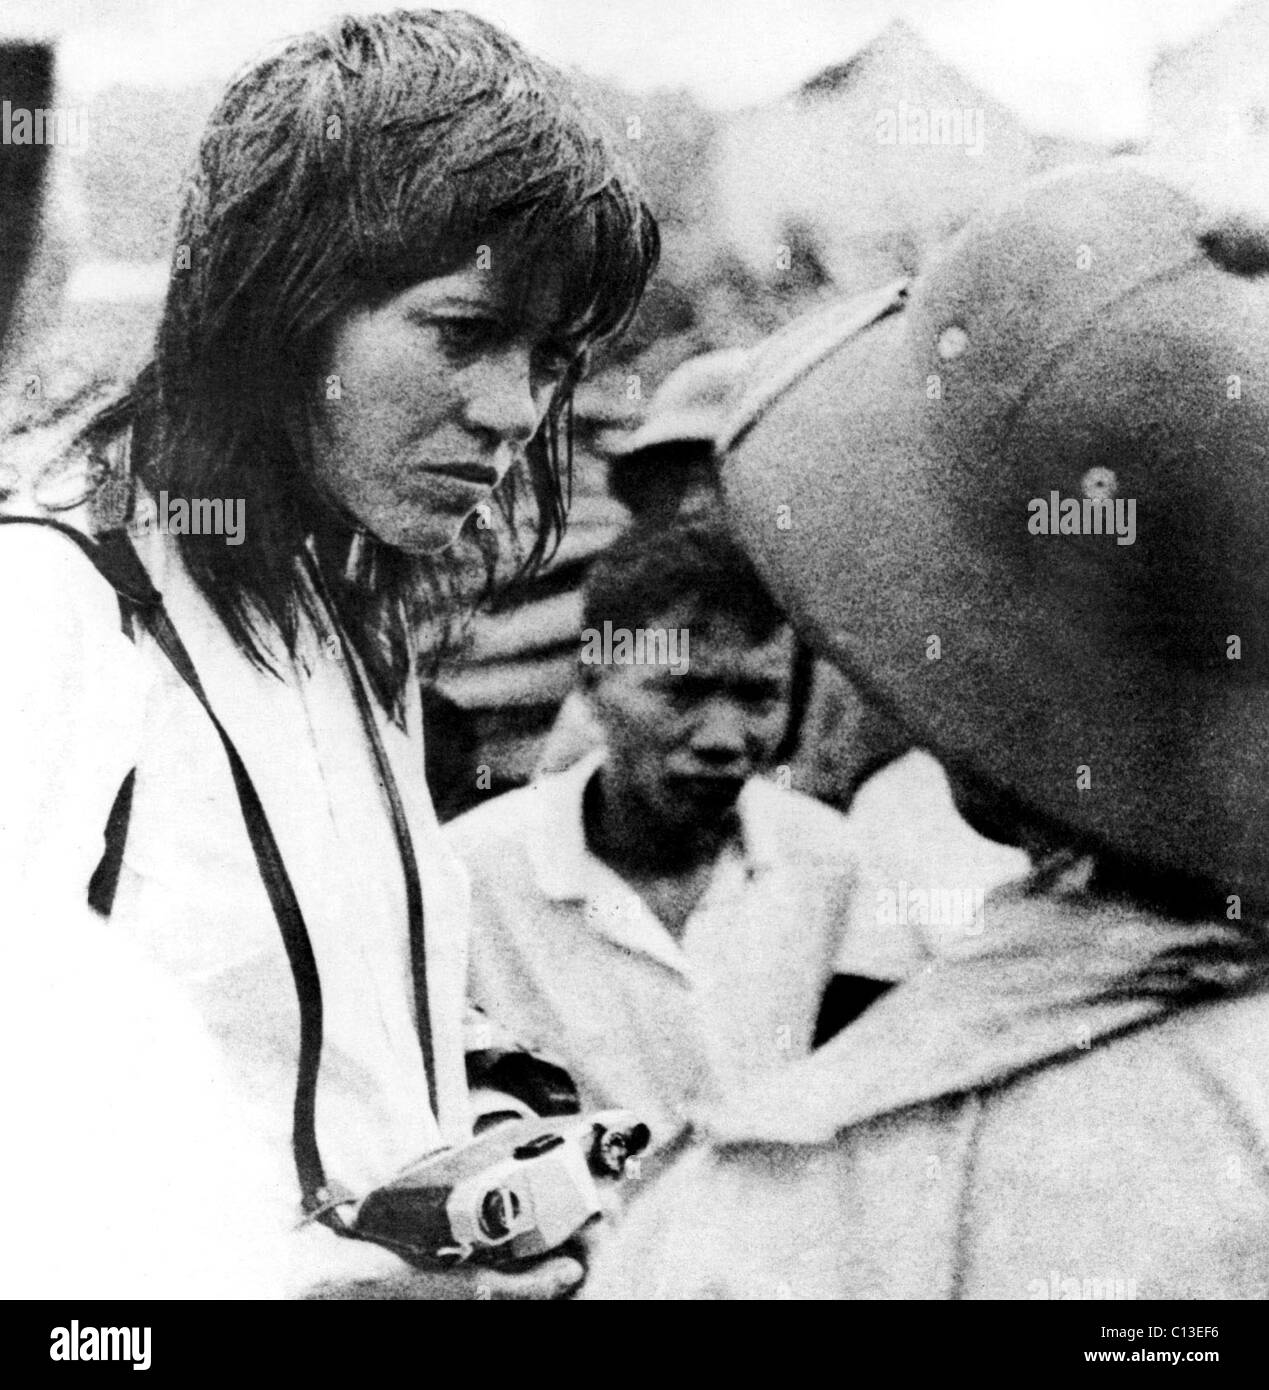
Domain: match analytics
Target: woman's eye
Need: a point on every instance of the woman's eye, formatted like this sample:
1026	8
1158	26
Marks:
467	335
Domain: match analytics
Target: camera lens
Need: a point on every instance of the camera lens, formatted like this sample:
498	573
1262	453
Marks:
497	1213
614	1146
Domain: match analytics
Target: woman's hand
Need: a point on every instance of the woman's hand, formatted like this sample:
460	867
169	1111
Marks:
553	1277
329	1267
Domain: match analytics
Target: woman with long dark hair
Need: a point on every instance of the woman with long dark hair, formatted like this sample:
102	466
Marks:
401	241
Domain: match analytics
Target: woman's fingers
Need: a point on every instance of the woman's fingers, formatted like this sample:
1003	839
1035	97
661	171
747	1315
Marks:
550	1278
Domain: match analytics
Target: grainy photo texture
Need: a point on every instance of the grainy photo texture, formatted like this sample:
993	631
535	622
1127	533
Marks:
634	656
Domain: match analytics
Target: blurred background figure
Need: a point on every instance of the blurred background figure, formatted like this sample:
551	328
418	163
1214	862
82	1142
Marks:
661	470
666	466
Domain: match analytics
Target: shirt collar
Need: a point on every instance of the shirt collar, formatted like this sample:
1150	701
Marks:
759	807
557	849
562	861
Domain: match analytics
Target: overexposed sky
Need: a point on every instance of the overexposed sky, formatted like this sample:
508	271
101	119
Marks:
1073	67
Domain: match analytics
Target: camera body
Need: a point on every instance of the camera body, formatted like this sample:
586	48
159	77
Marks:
519	1190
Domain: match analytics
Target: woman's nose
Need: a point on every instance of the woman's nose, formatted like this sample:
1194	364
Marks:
500	399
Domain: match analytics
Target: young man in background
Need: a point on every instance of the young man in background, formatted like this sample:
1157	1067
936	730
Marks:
660	916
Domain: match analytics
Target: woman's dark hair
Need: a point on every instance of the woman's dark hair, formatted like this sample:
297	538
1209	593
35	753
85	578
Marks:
332	175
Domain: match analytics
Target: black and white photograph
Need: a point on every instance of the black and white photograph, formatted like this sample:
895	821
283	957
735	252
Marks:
634	663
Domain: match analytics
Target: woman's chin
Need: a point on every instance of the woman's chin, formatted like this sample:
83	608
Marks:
430	538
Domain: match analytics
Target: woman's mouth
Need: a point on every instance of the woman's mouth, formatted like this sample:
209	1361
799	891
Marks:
474	474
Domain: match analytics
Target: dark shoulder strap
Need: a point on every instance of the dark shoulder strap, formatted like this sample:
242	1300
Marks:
104	884
120	565
291	924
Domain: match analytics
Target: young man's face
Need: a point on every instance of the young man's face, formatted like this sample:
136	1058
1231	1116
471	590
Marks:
682	746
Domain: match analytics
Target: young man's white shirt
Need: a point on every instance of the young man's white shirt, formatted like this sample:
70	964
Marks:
572	961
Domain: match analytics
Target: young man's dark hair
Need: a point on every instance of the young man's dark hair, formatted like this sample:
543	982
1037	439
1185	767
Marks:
652	568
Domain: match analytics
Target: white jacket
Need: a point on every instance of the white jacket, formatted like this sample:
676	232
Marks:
80	705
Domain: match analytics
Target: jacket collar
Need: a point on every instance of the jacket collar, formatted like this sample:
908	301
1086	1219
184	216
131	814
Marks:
1056	972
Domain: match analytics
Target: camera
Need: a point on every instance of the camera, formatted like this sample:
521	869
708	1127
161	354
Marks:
519	1190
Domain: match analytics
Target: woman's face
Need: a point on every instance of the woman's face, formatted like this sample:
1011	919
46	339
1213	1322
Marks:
430	399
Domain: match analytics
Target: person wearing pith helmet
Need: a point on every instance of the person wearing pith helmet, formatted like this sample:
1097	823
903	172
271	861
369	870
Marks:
668	461
1028	498
661	470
